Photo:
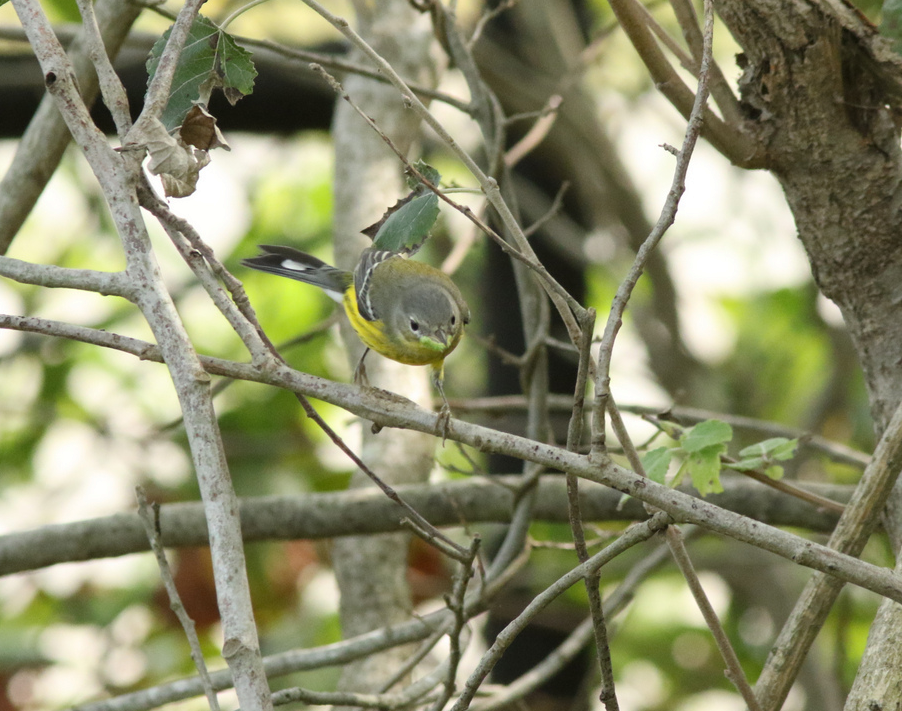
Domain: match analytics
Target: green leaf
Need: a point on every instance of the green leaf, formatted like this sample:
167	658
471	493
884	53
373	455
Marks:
210	59
777	448
236	69
61	11
762	455
750	464
407	226
705	434
428	172
704	468
775	472
656	463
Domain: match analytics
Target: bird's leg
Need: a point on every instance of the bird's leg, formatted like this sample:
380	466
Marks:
360	371
443	423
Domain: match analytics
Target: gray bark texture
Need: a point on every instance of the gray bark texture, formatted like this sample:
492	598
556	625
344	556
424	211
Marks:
371	570
820	94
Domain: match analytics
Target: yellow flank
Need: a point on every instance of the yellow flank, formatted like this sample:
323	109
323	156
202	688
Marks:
376	336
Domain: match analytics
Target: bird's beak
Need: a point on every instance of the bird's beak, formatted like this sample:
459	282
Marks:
437	341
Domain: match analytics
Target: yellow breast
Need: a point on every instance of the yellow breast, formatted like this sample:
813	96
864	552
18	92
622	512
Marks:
375	336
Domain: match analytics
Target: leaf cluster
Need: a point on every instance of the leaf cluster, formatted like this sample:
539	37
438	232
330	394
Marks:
702	449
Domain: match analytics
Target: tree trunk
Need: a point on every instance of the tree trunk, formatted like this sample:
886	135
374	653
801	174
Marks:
371	570
817	91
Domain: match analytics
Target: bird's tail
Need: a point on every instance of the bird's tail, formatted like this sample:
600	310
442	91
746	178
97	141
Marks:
294	264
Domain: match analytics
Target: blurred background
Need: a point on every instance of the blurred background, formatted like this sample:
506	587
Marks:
727	319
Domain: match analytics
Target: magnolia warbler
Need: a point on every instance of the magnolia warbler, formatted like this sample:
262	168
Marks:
402	309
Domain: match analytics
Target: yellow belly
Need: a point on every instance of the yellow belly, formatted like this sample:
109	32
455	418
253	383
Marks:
373	335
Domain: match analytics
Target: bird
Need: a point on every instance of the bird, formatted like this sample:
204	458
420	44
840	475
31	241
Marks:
404	310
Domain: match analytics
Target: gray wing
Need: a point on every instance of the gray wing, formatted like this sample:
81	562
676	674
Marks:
363	275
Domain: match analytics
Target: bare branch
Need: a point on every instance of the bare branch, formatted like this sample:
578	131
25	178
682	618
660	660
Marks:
104	283
110	85
328	515
852	532
678	413
728	139
536	134
631	537
396	411
577	640
734	668
151	523
42	146
285	663
117	175
665	220
720	88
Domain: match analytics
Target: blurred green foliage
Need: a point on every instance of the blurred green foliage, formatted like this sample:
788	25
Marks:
79	427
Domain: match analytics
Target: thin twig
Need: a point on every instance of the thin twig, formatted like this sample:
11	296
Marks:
428	532
675	543
154	536
577	640
456	603
240	11
734	669
413	660
555	209
787	488
665	220
608	694
632	536
397	412
345	65
720	89
488	14
728	139
414	693
158	91
111	86
536	134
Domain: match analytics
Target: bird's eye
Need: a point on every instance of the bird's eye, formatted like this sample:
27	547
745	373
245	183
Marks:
414	326
453	320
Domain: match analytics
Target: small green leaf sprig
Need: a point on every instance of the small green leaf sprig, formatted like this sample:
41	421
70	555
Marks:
703	449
